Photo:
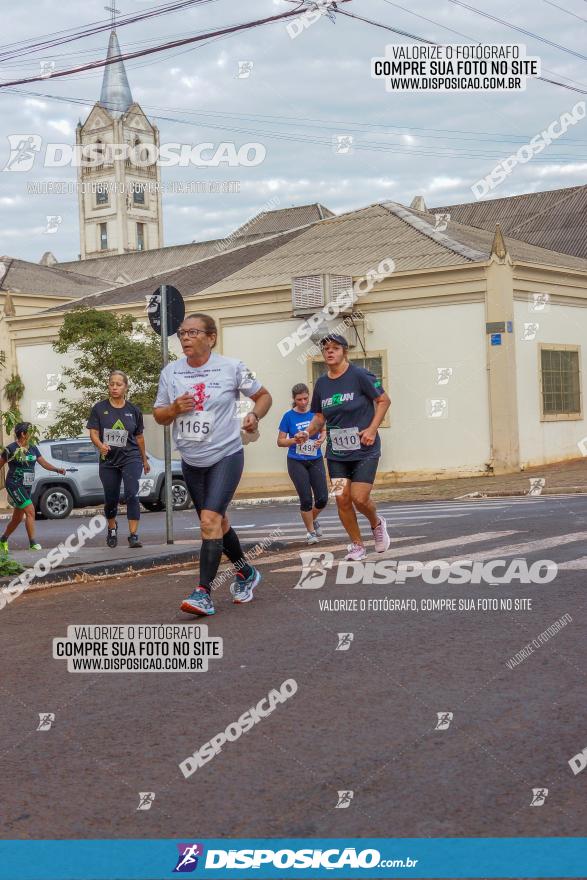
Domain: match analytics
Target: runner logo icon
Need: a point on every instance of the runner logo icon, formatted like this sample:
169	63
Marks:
539	795
444	719
46	720
314	569
187	861
344	800
146	799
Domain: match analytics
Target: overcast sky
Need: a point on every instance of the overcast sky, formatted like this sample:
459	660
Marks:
300	94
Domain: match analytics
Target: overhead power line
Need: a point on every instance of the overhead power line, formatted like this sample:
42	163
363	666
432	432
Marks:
62	37
103	62
444	151
520	30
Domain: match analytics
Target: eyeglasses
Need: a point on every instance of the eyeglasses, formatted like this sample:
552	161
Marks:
192	333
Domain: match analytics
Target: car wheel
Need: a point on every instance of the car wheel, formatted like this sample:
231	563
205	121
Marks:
180	495
153	506
56	503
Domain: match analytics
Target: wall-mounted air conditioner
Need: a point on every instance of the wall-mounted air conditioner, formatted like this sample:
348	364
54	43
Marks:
311	293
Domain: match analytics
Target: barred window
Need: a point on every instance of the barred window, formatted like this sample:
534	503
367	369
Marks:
374	364
561	387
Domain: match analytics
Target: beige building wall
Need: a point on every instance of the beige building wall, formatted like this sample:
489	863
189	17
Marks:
414	344
39	366
543	441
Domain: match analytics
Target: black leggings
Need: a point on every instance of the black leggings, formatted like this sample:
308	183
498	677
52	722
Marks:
309	477
111	478
212	487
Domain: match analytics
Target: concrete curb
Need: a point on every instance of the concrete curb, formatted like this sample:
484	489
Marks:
79	574
507	493
378	495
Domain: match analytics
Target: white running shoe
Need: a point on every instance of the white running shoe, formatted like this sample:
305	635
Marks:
317	528
356	552
382	539
311	538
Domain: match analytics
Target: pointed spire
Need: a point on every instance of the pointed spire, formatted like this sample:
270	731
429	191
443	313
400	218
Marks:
116	95
499	247
418	204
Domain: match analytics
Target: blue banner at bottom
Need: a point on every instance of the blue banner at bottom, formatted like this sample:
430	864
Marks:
368	858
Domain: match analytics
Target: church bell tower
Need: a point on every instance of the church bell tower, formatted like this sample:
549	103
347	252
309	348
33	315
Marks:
119	180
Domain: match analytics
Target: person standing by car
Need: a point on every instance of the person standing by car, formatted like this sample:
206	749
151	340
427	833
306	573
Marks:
305	464
116	429
21	459
199	394
351	402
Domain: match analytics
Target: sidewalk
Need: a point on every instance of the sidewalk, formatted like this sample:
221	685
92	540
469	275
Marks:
568	476
98	561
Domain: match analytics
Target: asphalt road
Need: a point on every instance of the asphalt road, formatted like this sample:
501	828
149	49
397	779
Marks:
363	720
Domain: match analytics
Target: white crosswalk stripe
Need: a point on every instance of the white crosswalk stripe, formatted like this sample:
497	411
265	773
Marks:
461	540
524	549
579	564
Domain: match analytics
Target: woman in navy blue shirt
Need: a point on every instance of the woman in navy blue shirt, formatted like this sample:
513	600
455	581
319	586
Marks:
305	464
350	403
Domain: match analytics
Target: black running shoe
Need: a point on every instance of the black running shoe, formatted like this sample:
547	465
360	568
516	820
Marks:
112	537
133	542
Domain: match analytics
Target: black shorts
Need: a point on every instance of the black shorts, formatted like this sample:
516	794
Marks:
361	470
19	496
212	487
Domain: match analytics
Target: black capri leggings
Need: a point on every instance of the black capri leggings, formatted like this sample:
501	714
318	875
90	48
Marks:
112	477
309	477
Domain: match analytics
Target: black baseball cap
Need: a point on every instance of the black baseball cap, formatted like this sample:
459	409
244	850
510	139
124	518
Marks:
334	337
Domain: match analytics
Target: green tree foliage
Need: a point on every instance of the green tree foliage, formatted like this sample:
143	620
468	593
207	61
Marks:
13	391
98	342
10	419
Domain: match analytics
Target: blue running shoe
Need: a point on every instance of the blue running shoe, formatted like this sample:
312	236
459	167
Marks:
242	588
198	602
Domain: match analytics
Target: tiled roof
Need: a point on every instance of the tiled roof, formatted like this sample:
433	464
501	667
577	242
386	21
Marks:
348	244
481	240
353	243
144	264
24	277
283	218
556	219
188	279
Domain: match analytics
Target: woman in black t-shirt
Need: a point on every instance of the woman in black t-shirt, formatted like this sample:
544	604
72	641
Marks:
351	403
116	429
